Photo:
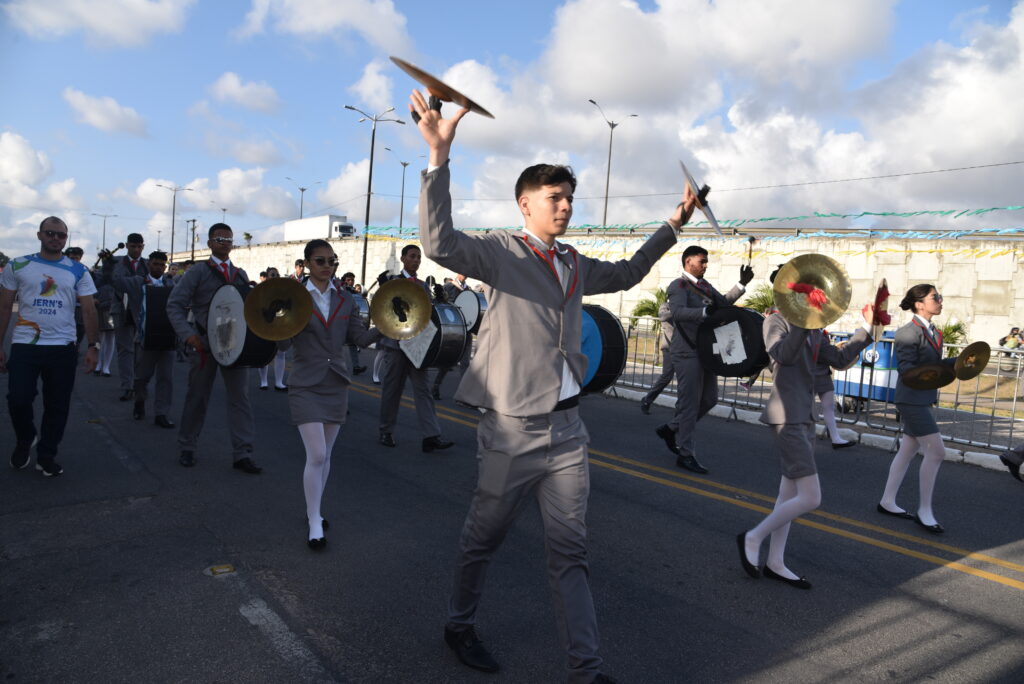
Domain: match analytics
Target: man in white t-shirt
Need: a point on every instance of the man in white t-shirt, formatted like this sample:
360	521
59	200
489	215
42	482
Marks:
46	286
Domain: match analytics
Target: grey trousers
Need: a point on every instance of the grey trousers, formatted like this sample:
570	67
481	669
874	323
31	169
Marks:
519	459
160	363
696	394
240	420
667	374
124	339
395	368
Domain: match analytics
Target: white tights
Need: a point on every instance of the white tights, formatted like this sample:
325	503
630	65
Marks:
278	371
828	413
796	497
934	451
318	438
107	348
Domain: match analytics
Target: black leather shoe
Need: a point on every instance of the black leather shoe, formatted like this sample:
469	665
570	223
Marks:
127	396
246	465
799	583
645	408
900	514
470	650
435	443
748	567
264	387
139	410
1014	467
690	463
934	529
665	432
387	439
436	393
280	389
358	370
187	458
161	421
843	445
317	544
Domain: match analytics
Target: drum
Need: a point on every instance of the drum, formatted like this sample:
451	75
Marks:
443	341
473	305
730	343
155	329
603	342
232	344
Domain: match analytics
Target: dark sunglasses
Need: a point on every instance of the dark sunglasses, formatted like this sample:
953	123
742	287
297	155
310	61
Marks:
222	240
55	234
325	261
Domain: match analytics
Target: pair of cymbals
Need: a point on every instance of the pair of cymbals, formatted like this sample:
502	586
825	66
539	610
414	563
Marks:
817	272
439	89
969	365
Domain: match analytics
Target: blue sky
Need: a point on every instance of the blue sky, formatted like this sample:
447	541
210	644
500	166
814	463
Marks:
212	96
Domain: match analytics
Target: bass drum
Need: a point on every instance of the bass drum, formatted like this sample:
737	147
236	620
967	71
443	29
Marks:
473	305
730	342
443	341
603	342
232	344
154	326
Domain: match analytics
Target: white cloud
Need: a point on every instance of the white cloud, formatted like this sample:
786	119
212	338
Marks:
251	95
346	194
376	21
374	87
122	23
19	162
105	113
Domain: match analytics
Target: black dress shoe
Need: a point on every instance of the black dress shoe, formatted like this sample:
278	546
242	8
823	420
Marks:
645	408
435	443
357	370
317	544
264	387
246	465
843	445
139	410
128	394
665	432
1014	467
690	463
387	439
106	375
470	650
799	583
161	421
896	514
934	529
280	389
187	458
748	567
436	394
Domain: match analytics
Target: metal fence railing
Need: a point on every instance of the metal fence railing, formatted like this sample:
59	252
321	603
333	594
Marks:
984	412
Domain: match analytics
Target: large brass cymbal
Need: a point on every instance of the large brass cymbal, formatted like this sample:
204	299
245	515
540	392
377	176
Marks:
929	376
278	308
972	360
828	280
439	88
400	309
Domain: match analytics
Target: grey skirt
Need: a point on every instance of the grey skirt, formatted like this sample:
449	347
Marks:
795	444
917	420
326	402
823	383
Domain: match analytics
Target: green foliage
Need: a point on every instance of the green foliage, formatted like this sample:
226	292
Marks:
248	239
759	299
954	331
649	307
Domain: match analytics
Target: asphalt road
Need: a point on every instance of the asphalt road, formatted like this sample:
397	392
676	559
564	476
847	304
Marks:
131	568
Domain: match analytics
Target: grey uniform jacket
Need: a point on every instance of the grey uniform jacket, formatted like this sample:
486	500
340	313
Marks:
119	279
320	346
687	304
533	324
915	347
791	352
196	289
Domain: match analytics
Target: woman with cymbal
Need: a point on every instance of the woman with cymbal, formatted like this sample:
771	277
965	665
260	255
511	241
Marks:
320	377
918	344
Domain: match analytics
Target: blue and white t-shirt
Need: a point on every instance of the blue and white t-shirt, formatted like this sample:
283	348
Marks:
47	294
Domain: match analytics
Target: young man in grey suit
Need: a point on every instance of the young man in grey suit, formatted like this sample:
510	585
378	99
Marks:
526	377
195	290
667	371
692	299
131	264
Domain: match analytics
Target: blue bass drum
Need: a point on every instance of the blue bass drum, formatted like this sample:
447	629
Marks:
603	342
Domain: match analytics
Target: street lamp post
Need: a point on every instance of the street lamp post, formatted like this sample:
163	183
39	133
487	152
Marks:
105	217
302	192
369	181
174	208
158	239
193	240
608	176
401	201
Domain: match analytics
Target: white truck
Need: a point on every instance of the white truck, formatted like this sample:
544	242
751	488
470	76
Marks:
328	227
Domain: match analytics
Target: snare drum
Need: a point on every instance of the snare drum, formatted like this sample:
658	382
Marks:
730	343
232	344
603	342
155	329
442	343
473	305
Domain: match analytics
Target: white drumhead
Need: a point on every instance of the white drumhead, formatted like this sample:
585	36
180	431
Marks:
469	304
226	327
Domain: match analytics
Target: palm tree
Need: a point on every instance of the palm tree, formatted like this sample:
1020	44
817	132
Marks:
649	307
761	299
248	239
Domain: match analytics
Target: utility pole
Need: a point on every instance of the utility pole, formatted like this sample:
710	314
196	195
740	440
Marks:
302	192
193	222
401	203
105	217
608	175
174	206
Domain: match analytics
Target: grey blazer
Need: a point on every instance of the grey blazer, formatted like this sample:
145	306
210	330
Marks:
122	270
667	327
914	347
533	321
687	303
320	346
195	290
791	352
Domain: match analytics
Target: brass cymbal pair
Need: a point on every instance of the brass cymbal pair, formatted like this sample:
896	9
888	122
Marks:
969	365
812	291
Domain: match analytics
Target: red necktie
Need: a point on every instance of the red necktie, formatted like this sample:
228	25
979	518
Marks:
134	261
704	287
227	274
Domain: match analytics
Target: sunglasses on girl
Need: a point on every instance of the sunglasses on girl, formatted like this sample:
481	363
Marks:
325	261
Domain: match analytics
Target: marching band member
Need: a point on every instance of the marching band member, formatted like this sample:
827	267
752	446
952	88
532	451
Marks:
196	290
131	264
917	343
668	373
526	378
320	377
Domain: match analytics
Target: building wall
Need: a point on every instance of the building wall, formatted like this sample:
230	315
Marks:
978	279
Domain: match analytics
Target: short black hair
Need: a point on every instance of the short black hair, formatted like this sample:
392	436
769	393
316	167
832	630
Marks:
79	251
917	293
409	248
51	219
134	239
218	226
158	255
313	245
300	262
349	274
539	175
263	274
693	250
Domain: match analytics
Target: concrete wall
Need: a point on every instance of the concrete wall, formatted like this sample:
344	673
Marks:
978	279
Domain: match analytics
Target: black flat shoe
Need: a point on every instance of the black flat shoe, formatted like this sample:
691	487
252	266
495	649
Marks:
387	439
645	409
127	396
896	514
470	650
187	458
280	389
799	583
934	529
691	463
748	567
436	443
317	544
264	387
138	411
161	421
246	465
843	445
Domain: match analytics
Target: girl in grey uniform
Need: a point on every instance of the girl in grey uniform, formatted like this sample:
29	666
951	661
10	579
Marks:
917	343
320	377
